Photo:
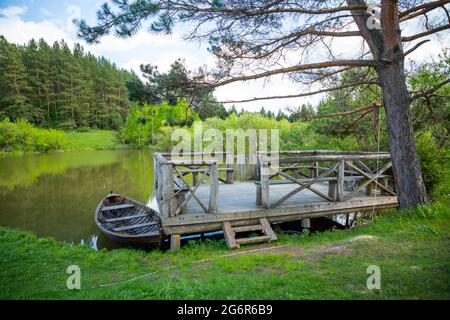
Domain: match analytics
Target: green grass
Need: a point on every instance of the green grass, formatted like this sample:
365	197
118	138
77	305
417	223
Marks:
91	140
412	248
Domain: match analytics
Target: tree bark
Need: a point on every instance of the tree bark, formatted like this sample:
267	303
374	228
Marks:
387	50
408	178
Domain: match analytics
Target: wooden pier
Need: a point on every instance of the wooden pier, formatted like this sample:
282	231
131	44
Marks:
199	193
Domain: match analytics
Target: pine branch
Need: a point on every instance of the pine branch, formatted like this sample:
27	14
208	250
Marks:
301	94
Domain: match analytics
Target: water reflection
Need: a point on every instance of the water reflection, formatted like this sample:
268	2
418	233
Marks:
56	194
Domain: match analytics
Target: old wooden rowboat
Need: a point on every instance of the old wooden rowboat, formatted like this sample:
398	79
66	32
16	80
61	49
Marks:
128	221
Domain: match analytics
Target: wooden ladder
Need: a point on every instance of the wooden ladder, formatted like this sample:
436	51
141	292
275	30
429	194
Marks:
263	226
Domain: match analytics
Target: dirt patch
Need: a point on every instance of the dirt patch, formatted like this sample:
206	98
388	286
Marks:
364	237
295	251
318	252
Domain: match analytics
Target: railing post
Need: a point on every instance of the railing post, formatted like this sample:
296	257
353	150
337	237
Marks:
175	242
194	178
229	166
264	183
305	223
369	189
158	176
169	203
214	188
155	175
332	190
340	180
385	182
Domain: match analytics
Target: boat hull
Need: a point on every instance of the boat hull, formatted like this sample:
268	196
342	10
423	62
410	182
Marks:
127	221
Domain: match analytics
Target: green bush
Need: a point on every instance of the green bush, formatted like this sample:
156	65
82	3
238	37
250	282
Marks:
8	134
433	161
26	133
23	135
47	140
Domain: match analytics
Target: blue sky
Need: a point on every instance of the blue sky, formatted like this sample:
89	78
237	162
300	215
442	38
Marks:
21	20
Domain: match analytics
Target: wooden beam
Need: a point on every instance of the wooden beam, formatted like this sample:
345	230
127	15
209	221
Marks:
328	208
304	186
373	178
169	202
268	229
258	193
305	223
325	152
213	189
229	235
332	189
191	193
175	242
340	181
202	225
332	158
264	184
229	167
383	187
253	240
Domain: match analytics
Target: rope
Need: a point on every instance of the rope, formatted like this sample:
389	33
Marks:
194	262
378	160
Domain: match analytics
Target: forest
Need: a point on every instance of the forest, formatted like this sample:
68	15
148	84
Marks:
53	86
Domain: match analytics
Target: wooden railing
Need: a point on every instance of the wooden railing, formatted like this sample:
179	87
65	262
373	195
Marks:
345	172
173	189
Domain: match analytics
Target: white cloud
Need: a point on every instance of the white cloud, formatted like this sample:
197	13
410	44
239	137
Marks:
74	12
133	64
45	12
19	31
13	12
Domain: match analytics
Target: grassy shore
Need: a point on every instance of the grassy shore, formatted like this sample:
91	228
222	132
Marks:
411	247
91	140
71	141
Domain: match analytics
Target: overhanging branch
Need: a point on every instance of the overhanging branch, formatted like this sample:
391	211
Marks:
416	46
431	90
311	66
176	6
365	109
421	9
426	33
301	94
346	113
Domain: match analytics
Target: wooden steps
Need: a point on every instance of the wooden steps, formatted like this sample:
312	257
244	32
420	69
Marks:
263	226
253	240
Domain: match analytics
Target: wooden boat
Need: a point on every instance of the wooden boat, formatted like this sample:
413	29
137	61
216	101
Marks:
128	221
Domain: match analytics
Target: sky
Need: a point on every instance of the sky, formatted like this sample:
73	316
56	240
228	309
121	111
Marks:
22	20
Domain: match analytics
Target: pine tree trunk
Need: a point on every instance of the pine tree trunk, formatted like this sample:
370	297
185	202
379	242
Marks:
387	49
408	178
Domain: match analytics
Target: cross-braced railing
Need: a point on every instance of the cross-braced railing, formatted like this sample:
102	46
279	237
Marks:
345	172
177	180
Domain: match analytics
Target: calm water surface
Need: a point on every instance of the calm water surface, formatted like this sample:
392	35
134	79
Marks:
56	194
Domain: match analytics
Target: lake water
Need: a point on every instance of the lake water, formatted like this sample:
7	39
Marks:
56	194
